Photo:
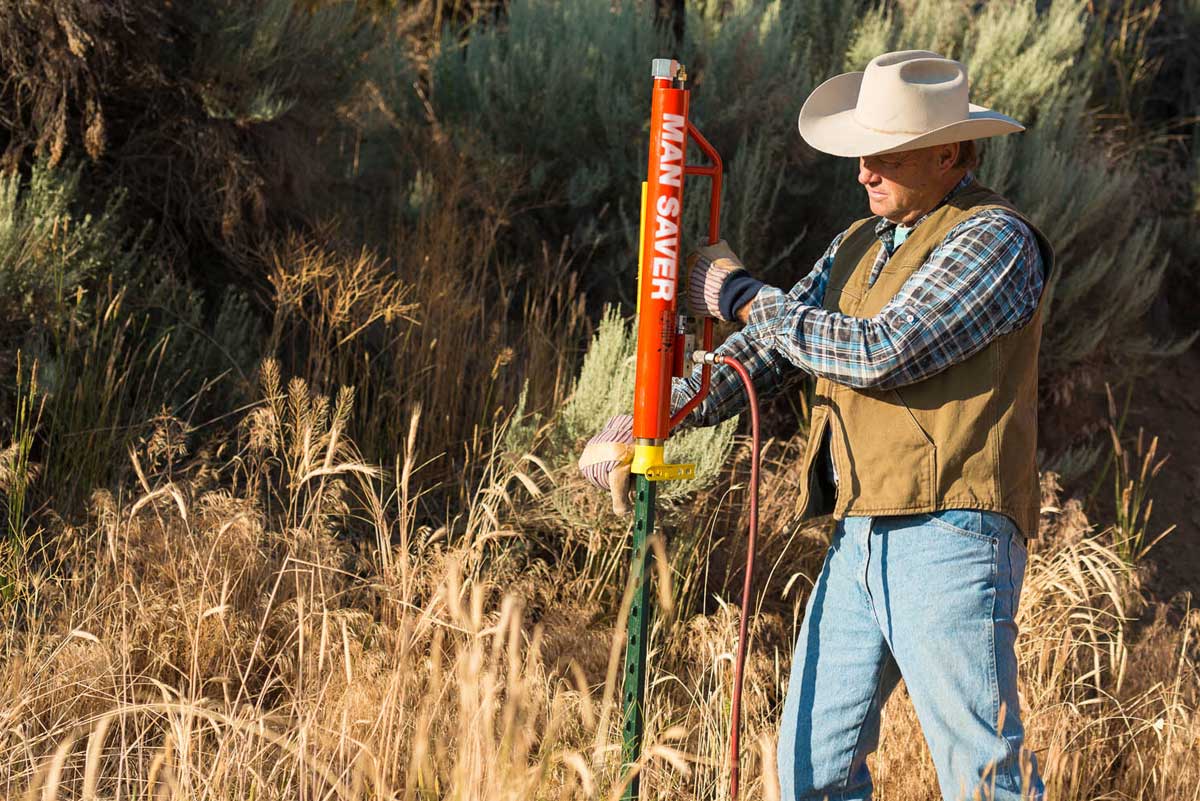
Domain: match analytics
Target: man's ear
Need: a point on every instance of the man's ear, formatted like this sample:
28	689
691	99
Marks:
947	155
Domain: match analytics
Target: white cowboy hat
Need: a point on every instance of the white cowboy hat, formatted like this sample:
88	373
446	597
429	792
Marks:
903	101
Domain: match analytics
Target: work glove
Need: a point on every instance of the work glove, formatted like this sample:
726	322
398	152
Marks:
708	270
606	459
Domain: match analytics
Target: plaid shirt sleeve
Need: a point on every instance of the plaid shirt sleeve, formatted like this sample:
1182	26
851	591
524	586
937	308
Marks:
984	280
752	346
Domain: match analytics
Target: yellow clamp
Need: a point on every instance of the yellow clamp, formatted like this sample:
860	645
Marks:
648	461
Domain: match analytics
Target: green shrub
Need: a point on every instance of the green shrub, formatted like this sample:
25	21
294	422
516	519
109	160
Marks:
49	254
605	387
562	90
114	336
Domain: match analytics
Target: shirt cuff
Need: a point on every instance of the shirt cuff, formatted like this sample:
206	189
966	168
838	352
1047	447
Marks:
738	290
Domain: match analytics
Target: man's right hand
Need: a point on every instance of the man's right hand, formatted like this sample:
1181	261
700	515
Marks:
709	268
606	459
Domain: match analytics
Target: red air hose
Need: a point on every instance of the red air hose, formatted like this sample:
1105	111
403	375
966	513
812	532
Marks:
747	586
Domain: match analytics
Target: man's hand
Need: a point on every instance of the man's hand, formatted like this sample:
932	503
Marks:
606	459
718	285
708	270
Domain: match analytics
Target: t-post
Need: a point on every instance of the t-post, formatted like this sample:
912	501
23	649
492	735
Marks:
663	347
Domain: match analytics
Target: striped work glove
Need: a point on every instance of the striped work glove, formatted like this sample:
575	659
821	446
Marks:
708	270
606	459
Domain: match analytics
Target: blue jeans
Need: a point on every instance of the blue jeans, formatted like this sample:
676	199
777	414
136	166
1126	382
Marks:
930	598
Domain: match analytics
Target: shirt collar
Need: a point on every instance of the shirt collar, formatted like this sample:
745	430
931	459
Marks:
885	230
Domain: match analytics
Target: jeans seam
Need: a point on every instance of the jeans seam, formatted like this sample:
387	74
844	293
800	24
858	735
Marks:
1012	761
995	673
993	668
866	578
862	725
866	584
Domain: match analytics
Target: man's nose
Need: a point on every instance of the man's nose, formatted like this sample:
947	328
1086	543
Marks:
865	176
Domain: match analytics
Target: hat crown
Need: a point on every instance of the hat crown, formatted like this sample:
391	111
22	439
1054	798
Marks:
912	92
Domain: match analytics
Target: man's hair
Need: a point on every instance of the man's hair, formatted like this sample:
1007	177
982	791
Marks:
968	155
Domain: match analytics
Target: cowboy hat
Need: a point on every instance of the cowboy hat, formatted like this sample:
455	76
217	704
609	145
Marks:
903	101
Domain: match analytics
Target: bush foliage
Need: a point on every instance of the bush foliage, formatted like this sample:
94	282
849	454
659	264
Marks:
604	388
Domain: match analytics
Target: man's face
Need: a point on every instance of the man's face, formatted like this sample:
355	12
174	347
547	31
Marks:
903	186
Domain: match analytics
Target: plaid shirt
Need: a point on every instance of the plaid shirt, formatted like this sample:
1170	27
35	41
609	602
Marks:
984	280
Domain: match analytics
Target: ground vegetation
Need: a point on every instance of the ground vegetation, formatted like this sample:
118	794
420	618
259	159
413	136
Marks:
308	307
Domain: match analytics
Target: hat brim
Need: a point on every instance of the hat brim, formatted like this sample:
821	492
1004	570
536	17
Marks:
827	123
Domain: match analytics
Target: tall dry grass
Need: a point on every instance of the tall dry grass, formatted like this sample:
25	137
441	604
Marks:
269	621
445	320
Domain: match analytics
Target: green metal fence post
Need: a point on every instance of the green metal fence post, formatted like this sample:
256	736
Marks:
637	632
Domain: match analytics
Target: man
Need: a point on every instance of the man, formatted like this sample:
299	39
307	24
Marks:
921	326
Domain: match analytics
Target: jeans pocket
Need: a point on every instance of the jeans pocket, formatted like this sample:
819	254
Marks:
966	522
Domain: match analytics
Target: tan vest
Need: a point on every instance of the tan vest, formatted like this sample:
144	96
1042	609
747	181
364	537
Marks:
965	438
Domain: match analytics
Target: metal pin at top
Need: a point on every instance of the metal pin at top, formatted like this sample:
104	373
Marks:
664	68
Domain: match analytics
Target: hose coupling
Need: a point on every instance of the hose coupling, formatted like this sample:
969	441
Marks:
705	357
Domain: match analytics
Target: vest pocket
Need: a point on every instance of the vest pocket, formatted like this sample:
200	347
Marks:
915	454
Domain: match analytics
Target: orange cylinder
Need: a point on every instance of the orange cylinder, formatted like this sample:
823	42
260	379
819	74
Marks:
660	282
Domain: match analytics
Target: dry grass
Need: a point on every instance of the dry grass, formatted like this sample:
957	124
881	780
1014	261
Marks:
272	624
446	323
